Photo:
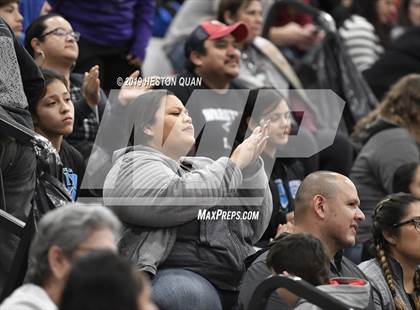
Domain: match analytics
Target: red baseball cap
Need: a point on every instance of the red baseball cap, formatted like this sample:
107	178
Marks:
213	30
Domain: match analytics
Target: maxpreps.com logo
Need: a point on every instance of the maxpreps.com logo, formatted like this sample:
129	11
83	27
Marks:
329	110
225	215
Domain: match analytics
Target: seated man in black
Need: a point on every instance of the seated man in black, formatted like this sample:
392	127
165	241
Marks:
327	207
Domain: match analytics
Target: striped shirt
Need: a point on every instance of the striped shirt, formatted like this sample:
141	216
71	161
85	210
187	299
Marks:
361	42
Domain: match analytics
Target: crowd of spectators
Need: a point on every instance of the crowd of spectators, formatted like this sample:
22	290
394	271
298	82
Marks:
223	172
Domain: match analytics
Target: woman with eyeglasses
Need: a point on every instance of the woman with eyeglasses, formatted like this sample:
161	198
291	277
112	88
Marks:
387	138
51	41
285	174
395	270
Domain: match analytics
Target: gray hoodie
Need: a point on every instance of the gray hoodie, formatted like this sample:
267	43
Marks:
155	196
386	148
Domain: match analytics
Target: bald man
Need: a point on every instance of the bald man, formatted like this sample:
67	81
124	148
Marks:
327	207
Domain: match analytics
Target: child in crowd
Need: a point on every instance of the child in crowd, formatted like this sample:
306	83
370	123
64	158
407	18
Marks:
312	265
52	42
304	255
53	117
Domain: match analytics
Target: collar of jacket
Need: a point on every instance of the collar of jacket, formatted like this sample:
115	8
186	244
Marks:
335	264
396	270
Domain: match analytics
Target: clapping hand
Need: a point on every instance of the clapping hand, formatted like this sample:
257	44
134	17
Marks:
91	86
252	147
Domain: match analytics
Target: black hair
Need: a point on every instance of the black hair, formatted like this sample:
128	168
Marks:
403	177
6	2
268	99
388	212
193	43
146	106
36	30
301	255
263	101
364	8
102	280
231	6
367	9
403	15
49	77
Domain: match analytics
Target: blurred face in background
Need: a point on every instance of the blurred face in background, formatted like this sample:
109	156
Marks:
251	15
386	11
10	13
46	8
414	12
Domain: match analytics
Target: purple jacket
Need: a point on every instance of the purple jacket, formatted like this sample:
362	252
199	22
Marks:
111	22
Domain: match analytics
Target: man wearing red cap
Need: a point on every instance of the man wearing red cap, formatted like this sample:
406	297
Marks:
205	273
216	103
212	53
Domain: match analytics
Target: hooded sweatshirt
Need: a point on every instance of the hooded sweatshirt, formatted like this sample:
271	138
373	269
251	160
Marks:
386	147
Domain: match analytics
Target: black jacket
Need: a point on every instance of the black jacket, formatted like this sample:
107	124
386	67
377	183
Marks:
21	83
329	67
284	181
400	59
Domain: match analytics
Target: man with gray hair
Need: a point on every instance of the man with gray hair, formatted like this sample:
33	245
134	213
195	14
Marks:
63	235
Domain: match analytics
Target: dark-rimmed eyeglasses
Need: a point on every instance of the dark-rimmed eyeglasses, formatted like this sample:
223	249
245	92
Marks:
415	222
62	33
